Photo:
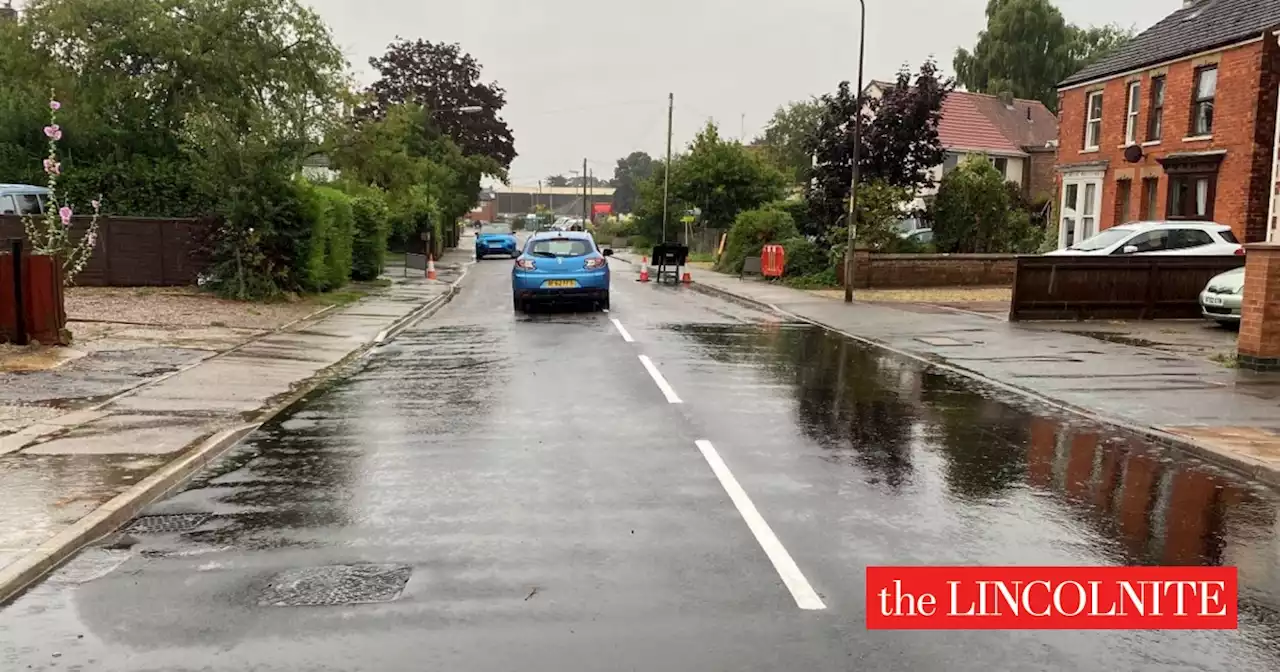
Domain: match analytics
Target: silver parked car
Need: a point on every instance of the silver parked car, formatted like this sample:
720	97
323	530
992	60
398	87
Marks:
1220	299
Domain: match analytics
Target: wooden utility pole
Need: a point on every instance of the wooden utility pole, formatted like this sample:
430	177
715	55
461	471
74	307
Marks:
666	180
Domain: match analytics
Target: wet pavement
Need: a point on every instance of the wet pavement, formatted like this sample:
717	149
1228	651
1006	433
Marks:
497	492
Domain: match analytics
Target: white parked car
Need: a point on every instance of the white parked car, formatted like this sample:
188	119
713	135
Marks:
1174	238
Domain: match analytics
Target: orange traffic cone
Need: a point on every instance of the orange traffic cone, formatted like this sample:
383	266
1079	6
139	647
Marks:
687	279
644	261
644	273
431	267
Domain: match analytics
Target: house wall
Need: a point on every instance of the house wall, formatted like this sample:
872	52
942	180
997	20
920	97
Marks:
1041	177
1244	113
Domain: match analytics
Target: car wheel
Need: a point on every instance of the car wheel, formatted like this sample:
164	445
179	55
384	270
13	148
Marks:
479	256
604	305
517	304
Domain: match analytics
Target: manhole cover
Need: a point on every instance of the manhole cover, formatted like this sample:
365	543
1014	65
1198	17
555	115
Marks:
336	585
939	340
169	523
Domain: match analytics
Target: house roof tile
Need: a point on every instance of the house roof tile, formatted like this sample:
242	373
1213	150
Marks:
1203	26
981	122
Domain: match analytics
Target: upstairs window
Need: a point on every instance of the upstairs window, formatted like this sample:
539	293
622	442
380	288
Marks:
1093	121
1131	114
1202	103
1155	116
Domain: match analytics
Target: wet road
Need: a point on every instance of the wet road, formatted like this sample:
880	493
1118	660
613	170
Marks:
493	492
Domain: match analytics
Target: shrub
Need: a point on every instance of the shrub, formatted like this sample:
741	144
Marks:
804	257
751	231
309	269
369	244
339	230
974	212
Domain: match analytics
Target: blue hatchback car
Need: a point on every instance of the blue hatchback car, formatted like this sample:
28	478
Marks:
496	240
561	267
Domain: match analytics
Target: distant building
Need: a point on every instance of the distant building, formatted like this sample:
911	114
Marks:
1019	137
316	168
560	200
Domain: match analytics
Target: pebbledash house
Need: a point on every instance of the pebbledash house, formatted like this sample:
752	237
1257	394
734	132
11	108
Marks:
1178	124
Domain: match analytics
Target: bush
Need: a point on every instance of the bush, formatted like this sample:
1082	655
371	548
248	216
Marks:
339	231
309	270
804	257
751	231
975	211
369	244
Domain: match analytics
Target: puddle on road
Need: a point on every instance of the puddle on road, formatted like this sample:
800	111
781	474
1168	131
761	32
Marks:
869	410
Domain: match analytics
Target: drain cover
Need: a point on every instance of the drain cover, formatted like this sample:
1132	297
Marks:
169	523
336	585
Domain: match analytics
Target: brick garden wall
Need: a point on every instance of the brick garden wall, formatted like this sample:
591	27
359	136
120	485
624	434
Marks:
898	271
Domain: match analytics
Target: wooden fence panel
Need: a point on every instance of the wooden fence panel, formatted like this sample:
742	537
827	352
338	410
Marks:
136	251
1143	287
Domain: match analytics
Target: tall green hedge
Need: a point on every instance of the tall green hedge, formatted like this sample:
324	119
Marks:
339	231
372	226
310	271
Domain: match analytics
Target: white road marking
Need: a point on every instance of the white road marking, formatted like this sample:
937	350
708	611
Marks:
801	591
623	330
382	336
663	385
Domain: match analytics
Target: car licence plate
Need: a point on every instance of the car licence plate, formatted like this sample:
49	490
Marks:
1213	301
560	283
494	243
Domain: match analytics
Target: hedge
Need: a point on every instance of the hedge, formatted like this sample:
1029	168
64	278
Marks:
339	231
372	226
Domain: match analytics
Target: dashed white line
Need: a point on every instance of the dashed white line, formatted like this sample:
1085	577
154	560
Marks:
663	385
791	575
626	336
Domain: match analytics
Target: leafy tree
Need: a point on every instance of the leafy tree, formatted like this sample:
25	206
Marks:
631	171
751	231
785	137
1093	43
556	181
719	177
1028	47
880	207
973	212
900	142
136	87
443	79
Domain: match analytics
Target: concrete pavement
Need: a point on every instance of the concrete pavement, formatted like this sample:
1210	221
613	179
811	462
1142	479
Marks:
110	459
563	491
1227	416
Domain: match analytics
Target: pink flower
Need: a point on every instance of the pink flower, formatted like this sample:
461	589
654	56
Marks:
54	132
97	205
65	213
93	238
52	167
55	105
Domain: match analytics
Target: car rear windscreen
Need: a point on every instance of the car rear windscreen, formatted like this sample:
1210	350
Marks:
1228	236
561	247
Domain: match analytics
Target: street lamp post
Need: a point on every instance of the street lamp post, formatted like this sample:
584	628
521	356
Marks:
852	219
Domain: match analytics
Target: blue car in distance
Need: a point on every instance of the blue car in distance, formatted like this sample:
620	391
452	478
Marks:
561	267
494	240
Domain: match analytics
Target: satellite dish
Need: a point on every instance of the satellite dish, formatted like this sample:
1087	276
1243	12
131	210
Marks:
1133	153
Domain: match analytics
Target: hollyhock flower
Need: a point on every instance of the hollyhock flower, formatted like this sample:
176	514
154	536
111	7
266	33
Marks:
97	205
55	105
52	167
53	132
65	213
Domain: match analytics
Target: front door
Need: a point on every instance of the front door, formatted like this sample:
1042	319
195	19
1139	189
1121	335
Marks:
1081	202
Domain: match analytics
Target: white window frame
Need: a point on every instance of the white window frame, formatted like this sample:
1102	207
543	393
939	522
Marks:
1131	115
1091	122
1080	211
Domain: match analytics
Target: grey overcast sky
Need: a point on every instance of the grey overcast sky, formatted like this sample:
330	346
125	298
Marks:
590	79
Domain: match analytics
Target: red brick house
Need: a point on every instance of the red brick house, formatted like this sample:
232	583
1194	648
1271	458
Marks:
1180	123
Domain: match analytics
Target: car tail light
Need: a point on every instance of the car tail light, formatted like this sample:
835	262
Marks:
596	262
1240	251
526	264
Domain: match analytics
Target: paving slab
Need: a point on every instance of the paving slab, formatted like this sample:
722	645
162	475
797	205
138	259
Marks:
129	434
